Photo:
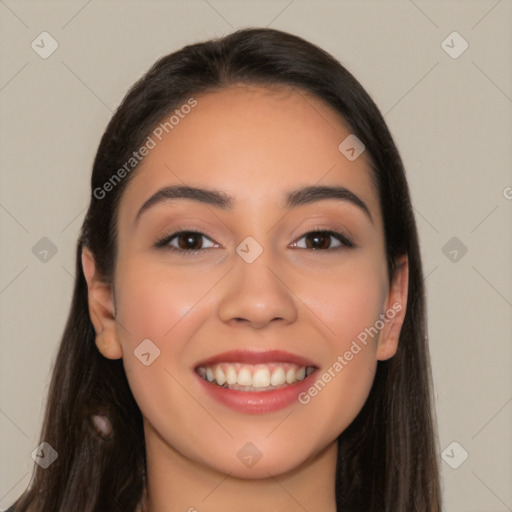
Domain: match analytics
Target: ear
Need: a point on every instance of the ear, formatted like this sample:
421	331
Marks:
396	305
101	308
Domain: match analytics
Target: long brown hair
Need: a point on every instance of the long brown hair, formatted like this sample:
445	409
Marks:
387	457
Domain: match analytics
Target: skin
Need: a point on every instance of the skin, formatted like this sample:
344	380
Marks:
256	144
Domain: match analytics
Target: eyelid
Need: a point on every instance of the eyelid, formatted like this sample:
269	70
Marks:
331	226
163	241
346	241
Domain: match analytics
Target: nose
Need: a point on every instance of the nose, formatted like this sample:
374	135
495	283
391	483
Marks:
257	294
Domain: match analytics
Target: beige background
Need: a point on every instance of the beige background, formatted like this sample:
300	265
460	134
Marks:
451	119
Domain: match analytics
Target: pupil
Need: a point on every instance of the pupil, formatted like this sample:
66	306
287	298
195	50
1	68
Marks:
320	236
189	239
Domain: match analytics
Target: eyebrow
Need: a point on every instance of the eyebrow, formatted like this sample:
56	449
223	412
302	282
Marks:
220	199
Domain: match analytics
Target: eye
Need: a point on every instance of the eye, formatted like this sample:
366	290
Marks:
188	242
185	241
321	240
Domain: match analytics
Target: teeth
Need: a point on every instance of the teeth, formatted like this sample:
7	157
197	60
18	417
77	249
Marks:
231	376
290	375
258	377
219	376
261	378
278	377
245	377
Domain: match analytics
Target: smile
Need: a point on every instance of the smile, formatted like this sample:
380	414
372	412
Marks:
255	382
254	377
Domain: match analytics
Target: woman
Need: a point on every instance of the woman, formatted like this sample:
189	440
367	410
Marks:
248	322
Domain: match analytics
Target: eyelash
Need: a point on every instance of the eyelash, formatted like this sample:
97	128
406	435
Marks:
163	243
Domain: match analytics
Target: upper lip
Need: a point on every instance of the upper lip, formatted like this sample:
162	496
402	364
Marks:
255	357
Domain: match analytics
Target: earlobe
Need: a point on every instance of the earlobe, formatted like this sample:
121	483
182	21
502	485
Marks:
108	344
101	308
396	306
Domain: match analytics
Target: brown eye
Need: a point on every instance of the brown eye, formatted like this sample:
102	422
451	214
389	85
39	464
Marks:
189	241
318	241
321	239
185	241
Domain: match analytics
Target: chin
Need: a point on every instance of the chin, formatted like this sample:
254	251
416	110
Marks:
249	462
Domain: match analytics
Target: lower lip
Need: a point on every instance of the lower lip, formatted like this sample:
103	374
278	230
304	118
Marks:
256	401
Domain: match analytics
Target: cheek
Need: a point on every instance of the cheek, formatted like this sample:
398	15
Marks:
348	305
348	302
155	304
152	302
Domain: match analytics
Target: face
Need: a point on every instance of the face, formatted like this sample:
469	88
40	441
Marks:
280	296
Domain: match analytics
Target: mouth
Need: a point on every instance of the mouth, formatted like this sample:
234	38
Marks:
254	377
255	382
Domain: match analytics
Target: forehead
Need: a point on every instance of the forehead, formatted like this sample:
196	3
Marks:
254	142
